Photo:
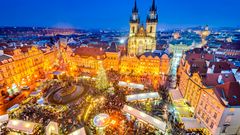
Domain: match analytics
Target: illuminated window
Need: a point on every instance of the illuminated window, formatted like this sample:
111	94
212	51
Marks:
215	115
212	124
151	29
133	29
207	120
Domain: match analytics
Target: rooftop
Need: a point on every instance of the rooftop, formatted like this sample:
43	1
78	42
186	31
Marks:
229	93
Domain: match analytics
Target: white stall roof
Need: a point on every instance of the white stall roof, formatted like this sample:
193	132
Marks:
80	131
4	118
121	83
13	107
145	117
142	96
131	85
40	101
23	126
52	128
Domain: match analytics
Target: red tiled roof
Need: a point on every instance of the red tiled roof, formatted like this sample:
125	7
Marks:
9	51
229	91
3	44
88	51
25	49
231	46
197	56
220	66
5	59
102	45
212	79
198	66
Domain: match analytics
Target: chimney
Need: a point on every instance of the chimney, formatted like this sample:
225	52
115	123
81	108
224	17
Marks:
210	70
1	52
207	62
220	79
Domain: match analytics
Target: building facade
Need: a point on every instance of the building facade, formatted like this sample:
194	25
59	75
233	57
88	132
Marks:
24	65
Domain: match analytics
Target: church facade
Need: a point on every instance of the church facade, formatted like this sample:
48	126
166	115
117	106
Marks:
142	39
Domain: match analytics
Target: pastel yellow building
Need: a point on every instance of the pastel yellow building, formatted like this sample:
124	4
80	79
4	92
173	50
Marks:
24	65
218	109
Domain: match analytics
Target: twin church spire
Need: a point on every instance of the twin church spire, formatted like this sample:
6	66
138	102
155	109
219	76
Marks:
142	39
151	17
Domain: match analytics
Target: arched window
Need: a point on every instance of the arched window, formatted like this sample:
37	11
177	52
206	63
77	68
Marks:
150	29
133	29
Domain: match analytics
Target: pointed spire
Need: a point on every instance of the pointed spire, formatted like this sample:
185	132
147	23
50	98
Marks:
153	7
135	9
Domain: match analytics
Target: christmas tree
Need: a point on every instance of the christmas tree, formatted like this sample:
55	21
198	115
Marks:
101	80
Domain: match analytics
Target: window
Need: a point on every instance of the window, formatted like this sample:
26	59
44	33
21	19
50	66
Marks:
205	107
150	29
212	124
207	120
201	103
199	112
133	29
215	115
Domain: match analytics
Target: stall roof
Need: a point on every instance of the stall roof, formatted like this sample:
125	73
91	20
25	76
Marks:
131	85
80	131
52	128
40	101
23	126
13	107
142	96
4	118
145	117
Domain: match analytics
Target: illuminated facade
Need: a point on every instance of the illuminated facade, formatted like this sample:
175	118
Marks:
140	39
24	65
87	59
148	68
218	108
212	91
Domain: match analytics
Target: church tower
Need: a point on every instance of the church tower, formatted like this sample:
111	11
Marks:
152	20
134	20
142	40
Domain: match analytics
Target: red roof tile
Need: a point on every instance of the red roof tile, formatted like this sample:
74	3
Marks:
229	91
88	51
212	79
220	66
198	66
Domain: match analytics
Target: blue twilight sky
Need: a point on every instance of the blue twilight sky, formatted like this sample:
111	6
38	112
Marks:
116	13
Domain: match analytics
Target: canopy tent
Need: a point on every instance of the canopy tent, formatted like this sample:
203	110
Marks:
35	93
145	117
80	131
4	118
142	96
52	128
22	126
131	85
13	107
40	101
57	73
